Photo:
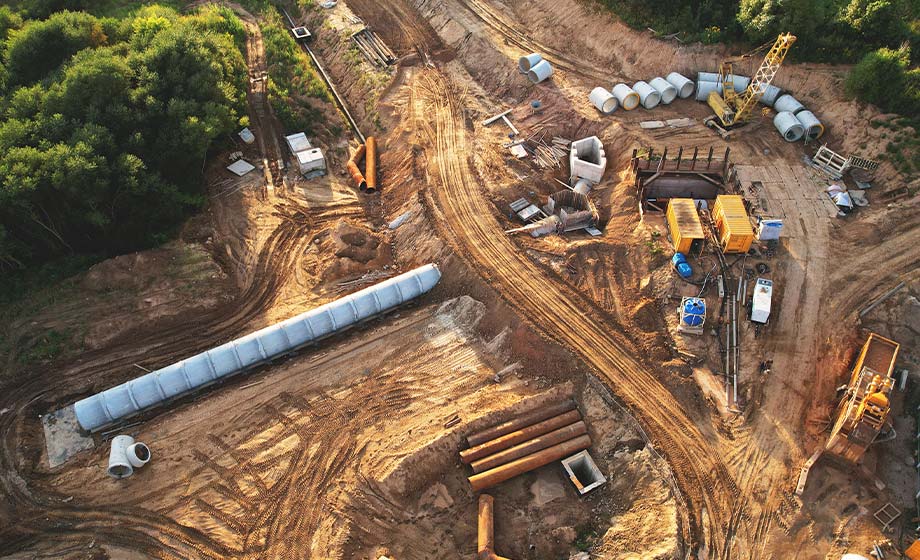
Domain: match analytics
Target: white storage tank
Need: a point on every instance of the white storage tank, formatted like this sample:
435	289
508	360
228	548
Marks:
763	296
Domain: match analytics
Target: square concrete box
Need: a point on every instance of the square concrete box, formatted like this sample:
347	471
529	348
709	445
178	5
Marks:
583	473
587	160
311	161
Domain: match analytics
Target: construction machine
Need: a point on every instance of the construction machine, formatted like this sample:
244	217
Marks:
734	109
864	408
862	413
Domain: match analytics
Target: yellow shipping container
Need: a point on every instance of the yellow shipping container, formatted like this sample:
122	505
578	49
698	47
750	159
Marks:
684	224
732	224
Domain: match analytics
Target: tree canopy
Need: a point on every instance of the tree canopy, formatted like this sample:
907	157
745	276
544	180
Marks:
106	123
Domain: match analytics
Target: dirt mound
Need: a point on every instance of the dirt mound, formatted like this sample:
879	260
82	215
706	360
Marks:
354	251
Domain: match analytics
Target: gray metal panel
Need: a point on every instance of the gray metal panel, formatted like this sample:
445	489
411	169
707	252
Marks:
152	389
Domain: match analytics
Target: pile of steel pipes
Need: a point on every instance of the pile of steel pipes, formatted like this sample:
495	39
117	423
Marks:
366	181
525	443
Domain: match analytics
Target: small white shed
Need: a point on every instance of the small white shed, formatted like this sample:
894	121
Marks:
763	296
298	142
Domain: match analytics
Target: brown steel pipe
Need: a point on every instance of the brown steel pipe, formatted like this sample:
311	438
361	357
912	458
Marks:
528	447
510	470
370	164
486	545
522	421
354	170
504	442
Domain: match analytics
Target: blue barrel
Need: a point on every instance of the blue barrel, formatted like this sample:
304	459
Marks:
684	270
678	258
694	312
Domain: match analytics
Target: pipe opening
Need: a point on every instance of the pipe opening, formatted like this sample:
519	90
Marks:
120	471
142	452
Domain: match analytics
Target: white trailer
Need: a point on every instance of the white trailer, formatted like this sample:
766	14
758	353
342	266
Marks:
763	295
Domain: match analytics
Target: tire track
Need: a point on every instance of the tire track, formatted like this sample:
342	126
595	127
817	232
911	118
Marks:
479	240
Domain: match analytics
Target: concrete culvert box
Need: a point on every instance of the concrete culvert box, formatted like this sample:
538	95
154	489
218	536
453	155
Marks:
627	97
683	84
648	96
665	89
603	100
540	71
525	63
583	472
789	126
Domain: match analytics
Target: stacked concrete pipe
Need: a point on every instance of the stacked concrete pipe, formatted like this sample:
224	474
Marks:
540	71
525	63
648	96
627	97
666	90
789	126
683	84
603	100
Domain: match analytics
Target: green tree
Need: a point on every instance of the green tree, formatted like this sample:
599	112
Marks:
880	77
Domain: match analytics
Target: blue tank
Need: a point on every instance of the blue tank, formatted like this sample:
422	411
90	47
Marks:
684	270
694	311
678	258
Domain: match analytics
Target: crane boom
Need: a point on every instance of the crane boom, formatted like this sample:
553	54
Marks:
734	109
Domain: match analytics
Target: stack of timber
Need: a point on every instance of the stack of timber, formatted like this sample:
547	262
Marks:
525	443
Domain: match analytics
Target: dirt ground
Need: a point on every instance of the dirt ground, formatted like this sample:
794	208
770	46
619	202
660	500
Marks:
341	451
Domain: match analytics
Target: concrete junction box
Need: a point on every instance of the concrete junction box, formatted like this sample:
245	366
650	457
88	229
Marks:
587	160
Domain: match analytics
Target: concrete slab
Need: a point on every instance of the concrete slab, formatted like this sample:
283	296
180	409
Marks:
63	437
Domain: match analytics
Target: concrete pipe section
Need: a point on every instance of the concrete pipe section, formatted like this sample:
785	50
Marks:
138	454
787	103
525	63
741	83
708	77
703	89
665	89
627	97
119	465
770	95
540	71
603	100
813	127
648	96
789	126
683	84
244	353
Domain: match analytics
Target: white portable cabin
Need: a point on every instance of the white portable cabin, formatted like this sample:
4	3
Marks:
763	294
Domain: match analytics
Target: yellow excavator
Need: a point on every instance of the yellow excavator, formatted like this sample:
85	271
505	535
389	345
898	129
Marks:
733	109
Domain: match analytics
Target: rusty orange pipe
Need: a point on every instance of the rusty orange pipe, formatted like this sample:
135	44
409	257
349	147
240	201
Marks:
370	164
486	545
532	446
504	442
354	170
510	470
520	422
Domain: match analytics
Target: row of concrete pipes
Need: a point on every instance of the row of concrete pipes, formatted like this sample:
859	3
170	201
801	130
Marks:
792	119
525	443
647	94
366	181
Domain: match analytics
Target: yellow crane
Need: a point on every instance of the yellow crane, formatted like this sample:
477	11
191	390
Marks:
733	109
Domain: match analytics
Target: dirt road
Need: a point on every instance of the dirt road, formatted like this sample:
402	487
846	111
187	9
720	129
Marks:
477	236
